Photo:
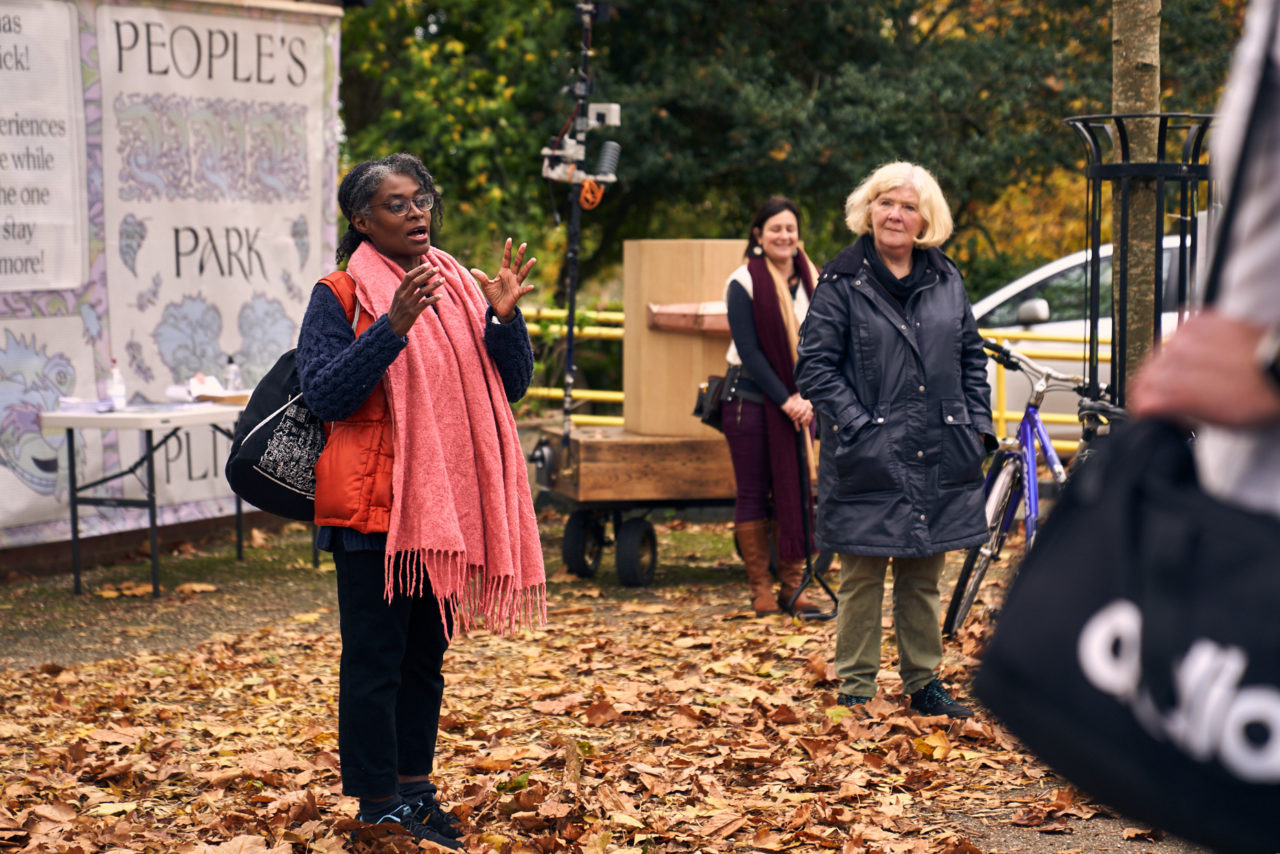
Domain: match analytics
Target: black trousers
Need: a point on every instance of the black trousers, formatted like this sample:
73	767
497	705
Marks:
390	685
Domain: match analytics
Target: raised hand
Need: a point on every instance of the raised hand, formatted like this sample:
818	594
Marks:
506	290
415	292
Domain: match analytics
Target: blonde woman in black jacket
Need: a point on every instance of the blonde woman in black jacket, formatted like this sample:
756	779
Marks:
891	360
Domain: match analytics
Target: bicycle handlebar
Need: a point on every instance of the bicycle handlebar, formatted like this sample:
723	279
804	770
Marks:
1015	361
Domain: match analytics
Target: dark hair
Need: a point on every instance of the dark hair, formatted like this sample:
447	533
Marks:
362	182
767	211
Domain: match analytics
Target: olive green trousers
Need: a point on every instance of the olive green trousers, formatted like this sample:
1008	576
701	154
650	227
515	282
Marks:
916	605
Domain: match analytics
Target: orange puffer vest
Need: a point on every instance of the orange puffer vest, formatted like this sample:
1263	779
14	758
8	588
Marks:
353	475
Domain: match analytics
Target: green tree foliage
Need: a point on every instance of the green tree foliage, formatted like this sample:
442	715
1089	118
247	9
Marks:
470	86
724	104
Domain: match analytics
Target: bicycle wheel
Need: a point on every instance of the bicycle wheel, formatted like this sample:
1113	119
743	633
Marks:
1007	484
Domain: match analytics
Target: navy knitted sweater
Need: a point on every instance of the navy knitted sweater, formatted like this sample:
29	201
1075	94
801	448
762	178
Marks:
338	371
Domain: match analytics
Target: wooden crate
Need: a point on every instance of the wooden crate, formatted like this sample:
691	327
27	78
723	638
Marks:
611	464
661	369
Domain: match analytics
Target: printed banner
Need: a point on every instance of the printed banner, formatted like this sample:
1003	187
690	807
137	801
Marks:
186	211
43	241
213	150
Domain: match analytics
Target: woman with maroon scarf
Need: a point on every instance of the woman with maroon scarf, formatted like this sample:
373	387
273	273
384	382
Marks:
763	413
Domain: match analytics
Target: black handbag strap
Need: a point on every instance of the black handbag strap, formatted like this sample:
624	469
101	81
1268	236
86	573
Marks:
1265	80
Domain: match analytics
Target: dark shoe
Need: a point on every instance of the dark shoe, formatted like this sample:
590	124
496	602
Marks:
403	816
429	812
852	700
933	699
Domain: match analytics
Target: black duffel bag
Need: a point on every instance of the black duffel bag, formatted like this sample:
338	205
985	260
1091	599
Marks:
1138	652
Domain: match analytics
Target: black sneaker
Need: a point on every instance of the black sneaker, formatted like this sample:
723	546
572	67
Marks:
429	812
403	816
852	700
933	699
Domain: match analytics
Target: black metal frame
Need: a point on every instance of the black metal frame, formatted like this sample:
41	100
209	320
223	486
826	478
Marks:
1178	168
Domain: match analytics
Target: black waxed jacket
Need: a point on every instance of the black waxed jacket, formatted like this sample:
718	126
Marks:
903	405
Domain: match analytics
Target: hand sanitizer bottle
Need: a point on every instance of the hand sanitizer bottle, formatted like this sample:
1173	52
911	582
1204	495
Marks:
232	381
115	388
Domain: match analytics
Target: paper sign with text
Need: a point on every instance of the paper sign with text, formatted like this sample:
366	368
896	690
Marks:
43	228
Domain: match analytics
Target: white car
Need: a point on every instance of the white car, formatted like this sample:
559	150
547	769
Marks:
1052	300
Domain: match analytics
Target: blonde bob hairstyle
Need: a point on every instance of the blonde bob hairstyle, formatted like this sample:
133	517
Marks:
891	176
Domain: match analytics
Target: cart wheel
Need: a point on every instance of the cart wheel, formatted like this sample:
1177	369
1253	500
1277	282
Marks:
637	553
583	543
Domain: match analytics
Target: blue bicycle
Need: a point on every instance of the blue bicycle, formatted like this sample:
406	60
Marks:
1011	482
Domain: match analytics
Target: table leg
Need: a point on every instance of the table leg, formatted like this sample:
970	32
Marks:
151	515
75	510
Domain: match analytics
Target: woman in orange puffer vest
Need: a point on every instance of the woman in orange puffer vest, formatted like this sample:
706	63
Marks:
421	492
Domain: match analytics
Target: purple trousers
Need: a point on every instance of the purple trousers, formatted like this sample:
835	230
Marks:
744	428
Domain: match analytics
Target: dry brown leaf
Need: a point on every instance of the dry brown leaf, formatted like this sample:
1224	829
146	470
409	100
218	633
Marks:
55	812
723	824
110	809
601	713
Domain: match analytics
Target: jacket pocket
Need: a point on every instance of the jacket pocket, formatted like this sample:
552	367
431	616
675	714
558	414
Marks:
864	461
962	448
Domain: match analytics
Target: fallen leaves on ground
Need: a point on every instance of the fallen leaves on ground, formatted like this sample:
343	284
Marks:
663	724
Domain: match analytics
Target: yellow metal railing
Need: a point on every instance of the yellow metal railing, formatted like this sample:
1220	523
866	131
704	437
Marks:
1006	419
588	394
541	313
600	326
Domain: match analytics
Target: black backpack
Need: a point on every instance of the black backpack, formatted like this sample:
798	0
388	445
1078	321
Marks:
278	439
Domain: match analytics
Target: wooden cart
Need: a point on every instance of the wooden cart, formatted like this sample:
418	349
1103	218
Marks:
662	456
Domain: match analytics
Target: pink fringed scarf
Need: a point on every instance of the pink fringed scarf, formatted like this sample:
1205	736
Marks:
462	511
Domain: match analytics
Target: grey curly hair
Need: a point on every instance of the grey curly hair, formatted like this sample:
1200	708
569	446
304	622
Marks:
362	182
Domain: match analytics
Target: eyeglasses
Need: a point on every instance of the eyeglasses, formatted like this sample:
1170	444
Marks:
400	207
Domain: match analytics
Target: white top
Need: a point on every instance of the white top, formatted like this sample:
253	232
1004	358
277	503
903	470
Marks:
800	304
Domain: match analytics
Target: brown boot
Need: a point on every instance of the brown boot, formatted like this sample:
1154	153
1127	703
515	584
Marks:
791	576
753	542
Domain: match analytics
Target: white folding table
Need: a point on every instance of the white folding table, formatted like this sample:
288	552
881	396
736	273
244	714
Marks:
150	419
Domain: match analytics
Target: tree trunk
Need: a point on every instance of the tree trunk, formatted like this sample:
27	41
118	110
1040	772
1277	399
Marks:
1135	82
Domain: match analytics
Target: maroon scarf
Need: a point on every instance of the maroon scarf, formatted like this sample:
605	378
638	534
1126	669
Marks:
789	500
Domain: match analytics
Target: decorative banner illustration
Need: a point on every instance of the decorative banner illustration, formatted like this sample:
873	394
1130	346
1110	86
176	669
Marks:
42	170
167	200
35	370
213	151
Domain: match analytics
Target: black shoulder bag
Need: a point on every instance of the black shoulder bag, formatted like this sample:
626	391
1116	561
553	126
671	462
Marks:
278	440
1138	652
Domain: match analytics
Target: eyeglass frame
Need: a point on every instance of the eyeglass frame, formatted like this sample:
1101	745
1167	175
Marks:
408	203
